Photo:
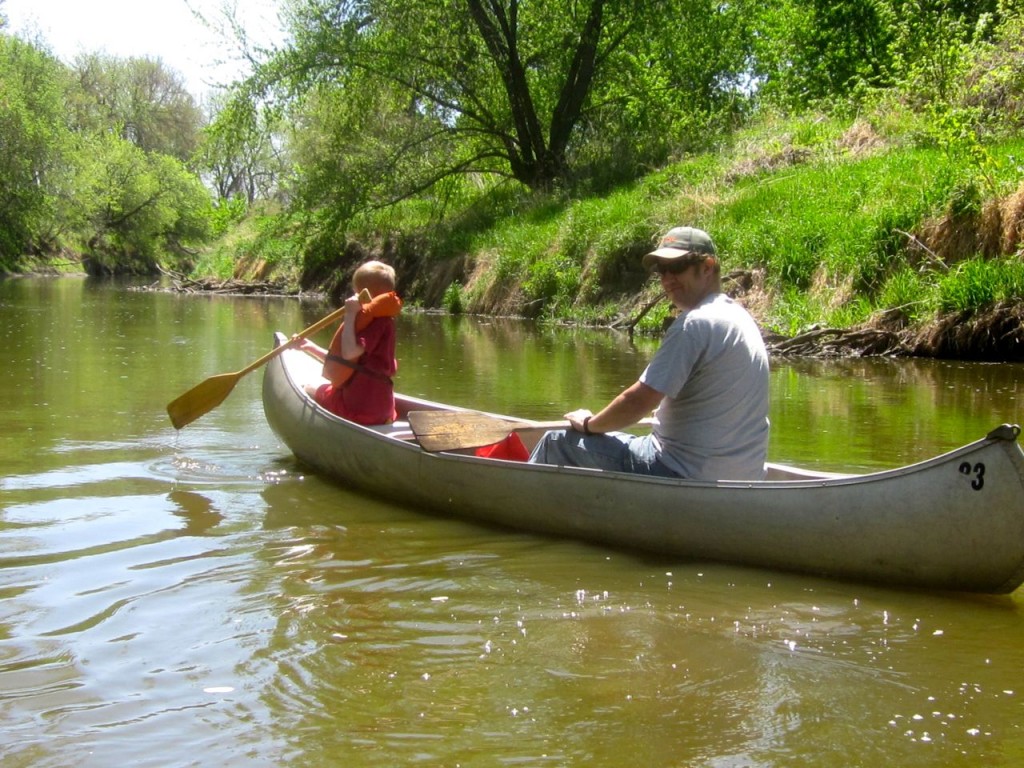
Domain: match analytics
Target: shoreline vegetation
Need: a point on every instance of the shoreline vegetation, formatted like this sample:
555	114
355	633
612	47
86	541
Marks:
955	276
865	199
840	239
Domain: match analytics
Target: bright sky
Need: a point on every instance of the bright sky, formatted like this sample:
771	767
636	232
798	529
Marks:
164	29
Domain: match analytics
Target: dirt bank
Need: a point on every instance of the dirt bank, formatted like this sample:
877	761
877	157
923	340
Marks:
995	334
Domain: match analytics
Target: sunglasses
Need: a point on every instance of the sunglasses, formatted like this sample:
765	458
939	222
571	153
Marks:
674	267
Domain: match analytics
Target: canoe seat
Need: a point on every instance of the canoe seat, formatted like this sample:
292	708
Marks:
399	430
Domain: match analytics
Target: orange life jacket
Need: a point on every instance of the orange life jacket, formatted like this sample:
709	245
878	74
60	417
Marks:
381	305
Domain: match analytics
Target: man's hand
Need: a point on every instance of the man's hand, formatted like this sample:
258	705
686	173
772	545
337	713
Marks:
630	407
577	417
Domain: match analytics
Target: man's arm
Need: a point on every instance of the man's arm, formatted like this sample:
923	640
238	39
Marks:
630	406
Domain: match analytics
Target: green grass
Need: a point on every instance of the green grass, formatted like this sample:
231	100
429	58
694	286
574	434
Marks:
831	223
258	237
980	283
828	220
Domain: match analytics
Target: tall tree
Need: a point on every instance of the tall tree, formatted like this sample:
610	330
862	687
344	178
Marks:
514	76
34	144
140	98
390	97
240	155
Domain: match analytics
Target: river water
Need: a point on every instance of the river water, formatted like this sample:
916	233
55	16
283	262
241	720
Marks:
195	598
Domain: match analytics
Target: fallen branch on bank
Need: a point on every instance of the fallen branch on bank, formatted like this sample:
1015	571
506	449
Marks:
243	287
631	327
993	334
837	342
183	284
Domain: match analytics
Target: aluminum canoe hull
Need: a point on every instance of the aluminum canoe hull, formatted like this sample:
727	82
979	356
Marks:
953	522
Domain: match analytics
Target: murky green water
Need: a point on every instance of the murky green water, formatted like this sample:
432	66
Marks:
195	599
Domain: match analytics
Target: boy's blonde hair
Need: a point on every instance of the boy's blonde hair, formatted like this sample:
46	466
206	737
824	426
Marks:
375	276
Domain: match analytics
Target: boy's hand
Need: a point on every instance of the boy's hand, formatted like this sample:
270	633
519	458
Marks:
352	305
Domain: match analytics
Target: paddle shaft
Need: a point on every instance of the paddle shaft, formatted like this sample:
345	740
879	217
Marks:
319	325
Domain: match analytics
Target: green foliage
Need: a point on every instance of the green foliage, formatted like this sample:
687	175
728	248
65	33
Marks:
994	82
137	207
956	131
807	51
658	99
603	236
275	247
798	311
830	220
553	95
517	244
848	313
551	285
906	291
145	103
34	142
656	320
227	213
259	241
239	152
794	312
86	162
977	284
454	301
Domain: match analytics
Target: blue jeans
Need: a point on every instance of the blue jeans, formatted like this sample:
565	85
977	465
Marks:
617	451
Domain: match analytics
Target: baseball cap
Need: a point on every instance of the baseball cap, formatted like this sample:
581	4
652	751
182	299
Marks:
679	242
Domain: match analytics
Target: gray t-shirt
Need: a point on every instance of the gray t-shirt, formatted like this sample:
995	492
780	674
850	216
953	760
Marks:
713	370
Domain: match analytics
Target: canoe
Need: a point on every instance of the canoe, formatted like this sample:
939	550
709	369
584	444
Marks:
953	522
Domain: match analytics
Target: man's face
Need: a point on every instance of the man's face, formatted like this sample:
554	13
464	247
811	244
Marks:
686	281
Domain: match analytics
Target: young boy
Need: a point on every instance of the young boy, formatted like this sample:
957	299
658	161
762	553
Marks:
360	361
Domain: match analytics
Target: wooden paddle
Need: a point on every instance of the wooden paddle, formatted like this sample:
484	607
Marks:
207	395
452	430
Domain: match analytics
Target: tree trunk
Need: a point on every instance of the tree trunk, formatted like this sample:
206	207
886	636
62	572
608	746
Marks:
537	160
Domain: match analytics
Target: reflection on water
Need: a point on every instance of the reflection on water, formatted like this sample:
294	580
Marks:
197	511
197	598
868	413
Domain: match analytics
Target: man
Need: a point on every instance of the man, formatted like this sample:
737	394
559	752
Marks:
708	381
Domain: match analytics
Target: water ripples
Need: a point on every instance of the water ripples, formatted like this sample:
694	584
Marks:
195	598
226	593
104	567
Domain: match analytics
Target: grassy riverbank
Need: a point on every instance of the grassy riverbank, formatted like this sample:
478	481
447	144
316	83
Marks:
863	181
880	221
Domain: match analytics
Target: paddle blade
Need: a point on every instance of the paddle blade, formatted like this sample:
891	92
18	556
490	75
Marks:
202	398
454	430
